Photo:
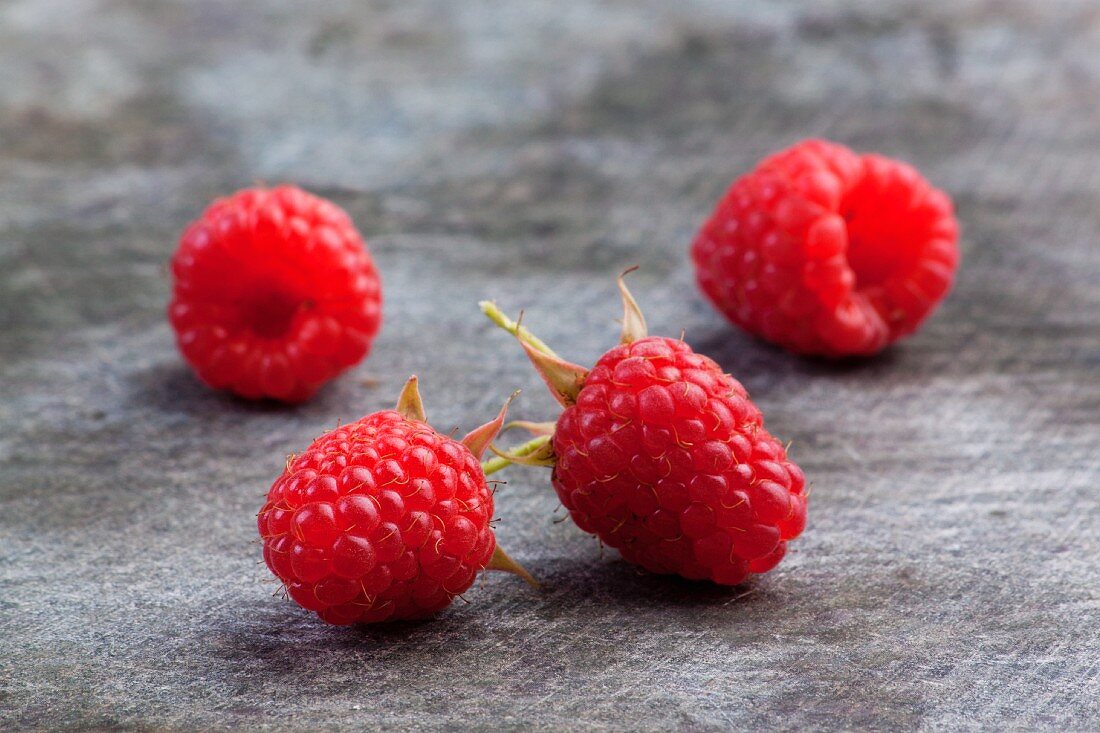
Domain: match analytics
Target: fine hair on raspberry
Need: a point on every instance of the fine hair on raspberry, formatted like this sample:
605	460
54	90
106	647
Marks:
827	252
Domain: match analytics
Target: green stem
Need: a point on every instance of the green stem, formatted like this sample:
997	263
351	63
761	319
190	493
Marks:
495	464
490	309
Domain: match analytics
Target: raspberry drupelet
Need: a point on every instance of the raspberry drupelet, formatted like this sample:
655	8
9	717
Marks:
665	458
826	252
274	293
383	519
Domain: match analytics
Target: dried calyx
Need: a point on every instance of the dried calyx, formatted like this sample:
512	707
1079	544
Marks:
563	378
411	406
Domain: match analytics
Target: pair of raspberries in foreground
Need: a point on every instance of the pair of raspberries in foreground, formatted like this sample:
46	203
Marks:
657	452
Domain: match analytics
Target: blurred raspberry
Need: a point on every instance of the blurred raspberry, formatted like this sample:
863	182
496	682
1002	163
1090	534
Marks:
274	294
827	252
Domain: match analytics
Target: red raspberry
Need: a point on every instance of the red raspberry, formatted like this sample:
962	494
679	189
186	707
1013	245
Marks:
274	294
664	457
383	519
824	251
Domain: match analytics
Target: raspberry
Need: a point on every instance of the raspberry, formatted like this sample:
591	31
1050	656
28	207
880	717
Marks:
827	252
274	294
383	519
665	458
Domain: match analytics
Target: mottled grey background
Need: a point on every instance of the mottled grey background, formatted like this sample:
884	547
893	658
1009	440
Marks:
529	151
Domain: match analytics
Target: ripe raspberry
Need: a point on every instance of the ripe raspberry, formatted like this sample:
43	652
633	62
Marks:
383	519
274	294
827	252
664	457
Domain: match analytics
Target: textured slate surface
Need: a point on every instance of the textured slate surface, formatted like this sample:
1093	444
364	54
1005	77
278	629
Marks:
528	152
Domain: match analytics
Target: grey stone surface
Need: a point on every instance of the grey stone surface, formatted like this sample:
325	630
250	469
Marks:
528	151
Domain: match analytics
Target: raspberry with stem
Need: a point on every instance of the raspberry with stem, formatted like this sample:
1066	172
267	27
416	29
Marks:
384	519
663	456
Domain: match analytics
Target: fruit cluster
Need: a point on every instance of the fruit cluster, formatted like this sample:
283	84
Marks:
657	451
